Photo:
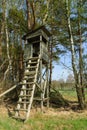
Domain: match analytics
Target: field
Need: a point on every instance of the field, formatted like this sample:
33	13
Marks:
51	119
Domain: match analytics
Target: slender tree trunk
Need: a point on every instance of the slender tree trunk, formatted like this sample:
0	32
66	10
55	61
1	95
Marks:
51	42
7	43
76	76
81	62
20	60
80	49
2	26
1	35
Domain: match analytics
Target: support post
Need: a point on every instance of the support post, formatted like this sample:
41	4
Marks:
47	74
41	73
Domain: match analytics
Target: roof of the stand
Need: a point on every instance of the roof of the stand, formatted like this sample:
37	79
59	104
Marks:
37	29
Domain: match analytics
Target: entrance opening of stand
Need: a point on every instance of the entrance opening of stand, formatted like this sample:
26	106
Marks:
36	49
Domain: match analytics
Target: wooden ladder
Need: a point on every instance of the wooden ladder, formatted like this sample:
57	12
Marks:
28	83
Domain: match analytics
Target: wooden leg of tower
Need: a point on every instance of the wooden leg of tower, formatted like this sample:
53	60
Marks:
41	85
47	96
42	102
25	98
47	88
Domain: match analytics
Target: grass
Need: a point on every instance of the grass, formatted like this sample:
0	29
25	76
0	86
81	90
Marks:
7	123
53	119
45	122
55	123
69	94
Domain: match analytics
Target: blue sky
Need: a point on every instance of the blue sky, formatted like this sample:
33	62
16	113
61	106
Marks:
60	70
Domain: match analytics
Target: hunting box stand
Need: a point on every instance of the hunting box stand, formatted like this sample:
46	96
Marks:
35	82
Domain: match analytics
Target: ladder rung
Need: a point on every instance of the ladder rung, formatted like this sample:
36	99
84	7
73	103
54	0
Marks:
32	63
32	58
21	110
29	89
19	118
38	99
24	95
30	73
29	83
26	78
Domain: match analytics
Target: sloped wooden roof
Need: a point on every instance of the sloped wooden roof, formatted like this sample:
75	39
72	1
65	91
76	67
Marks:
43	28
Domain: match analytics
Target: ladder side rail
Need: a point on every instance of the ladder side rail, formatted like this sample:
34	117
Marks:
31	98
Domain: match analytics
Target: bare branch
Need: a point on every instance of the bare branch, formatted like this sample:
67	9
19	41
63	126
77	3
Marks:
66	66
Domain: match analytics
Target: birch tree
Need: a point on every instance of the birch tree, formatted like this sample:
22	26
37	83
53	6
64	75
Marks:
75	70
7	40
79	8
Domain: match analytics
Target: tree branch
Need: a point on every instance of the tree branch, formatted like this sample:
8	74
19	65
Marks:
66	66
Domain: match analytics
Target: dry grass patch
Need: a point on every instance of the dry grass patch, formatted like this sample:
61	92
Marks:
51	119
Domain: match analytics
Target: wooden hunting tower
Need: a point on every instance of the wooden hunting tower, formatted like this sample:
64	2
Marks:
35	82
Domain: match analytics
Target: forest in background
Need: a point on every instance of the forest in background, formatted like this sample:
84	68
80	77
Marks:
67	22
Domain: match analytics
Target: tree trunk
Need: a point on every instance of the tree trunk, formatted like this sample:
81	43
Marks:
30	14
80	50
76	76
1	35
7	43
2	27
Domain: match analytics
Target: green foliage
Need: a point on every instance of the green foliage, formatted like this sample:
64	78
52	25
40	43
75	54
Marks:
16	21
